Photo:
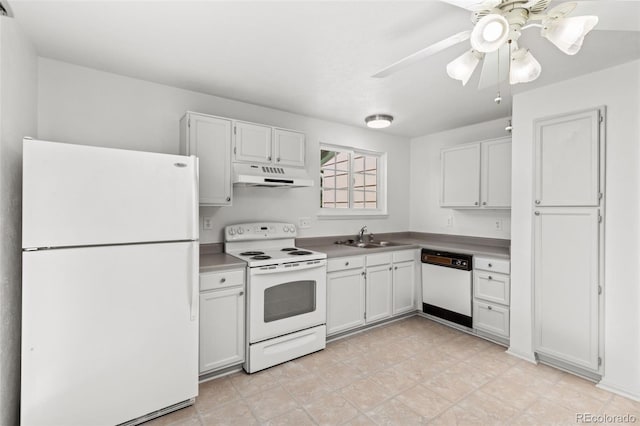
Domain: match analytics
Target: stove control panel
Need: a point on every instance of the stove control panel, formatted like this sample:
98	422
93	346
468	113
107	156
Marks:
259	231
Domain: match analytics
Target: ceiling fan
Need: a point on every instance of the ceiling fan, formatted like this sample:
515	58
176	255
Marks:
498	25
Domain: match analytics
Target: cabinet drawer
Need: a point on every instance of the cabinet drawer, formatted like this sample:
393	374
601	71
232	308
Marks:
489	264
404	255
344	263
379	259
222	279
490	286
491	318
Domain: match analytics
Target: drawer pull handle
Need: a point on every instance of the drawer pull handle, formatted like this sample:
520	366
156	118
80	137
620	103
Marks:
489	307
223	279
489	265
396	268
346	263
241	293
490	277
390	268
537	201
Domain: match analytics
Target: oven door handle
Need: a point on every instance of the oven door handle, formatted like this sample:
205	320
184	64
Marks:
288	267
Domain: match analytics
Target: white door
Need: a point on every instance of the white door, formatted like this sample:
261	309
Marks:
109	333
76	195
567	154
345	300
403	287
252	143
379	292
221	328
460	176
566	279
210	140
496	173
288	147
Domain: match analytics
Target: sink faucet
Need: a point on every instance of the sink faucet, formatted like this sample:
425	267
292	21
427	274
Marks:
361	234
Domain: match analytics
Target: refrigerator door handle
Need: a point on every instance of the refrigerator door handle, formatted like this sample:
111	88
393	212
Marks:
195	280
195	220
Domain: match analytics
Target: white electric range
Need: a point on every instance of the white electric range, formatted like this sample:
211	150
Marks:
286	293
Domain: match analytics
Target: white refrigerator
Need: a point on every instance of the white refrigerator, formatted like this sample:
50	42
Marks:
109	285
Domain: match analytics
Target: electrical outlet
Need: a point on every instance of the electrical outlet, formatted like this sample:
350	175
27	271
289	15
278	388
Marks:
449	221
207	223
497	224
304	223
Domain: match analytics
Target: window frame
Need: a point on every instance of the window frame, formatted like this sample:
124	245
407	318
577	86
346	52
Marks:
381	185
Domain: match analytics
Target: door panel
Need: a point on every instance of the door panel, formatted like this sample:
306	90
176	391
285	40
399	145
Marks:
345	300
253	143
379	293
460	176
76	195
107	334
496	173
289	148
211	138
403	287
566	279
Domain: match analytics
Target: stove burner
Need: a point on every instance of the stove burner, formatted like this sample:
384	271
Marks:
299	252
251	253
261	257
289	249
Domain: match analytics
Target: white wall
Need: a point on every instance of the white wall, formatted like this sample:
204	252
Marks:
426	215
18	97
82	105
617	88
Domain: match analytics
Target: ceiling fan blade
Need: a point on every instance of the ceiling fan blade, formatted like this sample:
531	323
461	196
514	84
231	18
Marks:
612	15
424	53
474	5
491	64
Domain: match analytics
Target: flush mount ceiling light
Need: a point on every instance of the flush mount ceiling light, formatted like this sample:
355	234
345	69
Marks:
378	121
498	24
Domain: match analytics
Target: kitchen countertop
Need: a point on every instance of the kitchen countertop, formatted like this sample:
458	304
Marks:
212	262
466	245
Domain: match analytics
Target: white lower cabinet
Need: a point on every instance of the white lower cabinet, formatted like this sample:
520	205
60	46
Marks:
222	338
491	297
365	289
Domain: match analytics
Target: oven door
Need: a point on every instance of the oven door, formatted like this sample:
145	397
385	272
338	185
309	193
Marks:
286	298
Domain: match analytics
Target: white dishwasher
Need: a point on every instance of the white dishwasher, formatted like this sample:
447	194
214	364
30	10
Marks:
447	286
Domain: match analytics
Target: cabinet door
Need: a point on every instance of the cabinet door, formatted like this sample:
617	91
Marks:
404	287
288	148
379	293
460	176
496	173
567	152
566	275
252	143
345	300
221	328
209	138
491	318
492	287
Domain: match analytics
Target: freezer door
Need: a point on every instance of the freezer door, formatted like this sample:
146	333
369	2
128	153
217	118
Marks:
76	195
108	333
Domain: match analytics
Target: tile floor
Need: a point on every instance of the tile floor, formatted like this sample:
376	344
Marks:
413	371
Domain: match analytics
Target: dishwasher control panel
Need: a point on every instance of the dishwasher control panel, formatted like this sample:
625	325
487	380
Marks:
451	260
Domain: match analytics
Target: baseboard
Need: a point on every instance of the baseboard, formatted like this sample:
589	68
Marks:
525	357
611	388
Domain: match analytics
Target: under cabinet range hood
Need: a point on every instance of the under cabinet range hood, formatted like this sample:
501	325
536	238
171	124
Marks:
270	176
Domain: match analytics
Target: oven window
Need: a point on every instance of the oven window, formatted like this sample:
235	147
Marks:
289	299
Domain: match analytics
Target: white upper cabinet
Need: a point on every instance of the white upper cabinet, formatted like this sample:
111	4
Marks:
460	176
567	160
209	138
288	148
252	143
476	175
495	190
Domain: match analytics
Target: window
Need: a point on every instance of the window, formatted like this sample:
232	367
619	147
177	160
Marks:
351	182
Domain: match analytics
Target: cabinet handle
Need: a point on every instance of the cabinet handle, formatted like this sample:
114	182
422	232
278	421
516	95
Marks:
489	265
484	203
228	199
476	203
364	274
396	268
490	277
390	268
537	201
269	158
537	213
241	293
223	280
346	263
278	159
489	308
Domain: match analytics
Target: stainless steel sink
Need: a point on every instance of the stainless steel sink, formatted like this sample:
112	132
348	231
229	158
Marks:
388	244
370	244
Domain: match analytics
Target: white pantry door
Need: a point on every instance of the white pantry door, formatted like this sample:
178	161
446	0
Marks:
108	333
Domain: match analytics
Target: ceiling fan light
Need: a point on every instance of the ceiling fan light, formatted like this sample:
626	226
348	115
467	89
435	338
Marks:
463	66
567	34
378	121
490	33
524	67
